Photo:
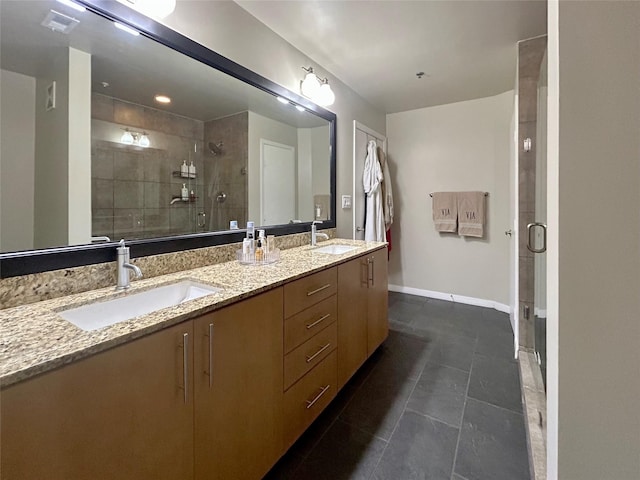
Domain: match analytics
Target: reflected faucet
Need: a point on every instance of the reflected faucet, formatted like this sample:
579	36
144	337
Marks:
315	234
124	265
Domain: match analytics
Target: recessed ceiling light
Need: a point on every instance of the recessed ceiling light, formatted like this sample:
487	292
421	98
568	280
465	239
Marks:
162	99
299	108
73	5
282	100
124	28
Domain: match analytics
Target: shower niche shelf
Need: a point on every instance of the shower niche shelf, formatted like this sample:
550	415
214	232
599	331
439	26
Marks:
179	174
176	199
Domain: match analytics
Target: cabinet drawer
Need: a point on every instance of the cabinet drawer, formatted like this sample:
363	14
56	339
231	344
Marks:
309	354
306	399
303	293
304	325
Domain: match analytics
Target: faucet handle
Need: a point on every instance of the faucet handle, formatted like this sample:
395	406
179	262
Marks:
316	222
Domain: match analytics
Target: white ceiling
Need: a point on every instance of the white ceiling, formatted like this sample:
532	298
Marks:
466	48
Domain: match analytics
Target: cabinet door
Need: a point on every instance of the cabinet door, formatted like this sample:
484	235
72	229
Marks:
119	414
352	317
378	301
238	389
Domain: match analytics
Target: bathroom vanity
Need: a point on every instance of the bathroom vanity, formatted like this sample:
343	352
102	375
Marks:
215	388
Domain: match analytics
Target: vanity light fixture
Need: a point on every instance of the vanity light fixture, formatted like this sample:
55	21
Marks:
131	137
73	5
316	89
162	99
124	28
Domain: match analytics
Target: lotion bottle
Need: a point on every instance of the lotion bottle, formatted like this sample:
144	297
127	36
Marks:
184	194
184	170
192	170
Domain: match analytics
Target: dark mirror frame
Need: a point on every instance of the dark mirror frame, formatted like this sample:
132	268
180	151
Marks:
36	261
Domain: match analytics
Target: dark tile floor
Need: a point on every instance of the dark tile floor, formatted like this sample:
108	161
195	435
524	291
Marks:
440	399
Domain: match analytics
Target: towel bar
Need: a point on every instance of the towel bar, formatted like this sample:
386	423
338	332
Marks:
486	194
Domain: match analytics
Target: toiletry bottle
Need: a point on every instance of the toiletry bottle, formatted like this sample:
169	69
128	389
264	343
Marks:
192	170
251	234
184	194
259	251
233	225
184	170
246	248
192	196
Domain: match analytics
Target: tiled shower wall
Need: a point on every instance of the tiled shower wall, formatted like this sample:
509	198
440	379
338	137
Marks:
132	187
530	55
226	172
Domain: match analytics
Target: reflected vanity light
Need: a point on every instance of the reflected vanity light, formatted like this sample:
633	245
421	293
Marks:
282	100
73	5
162	99
300	108
124	28
316	89
131	137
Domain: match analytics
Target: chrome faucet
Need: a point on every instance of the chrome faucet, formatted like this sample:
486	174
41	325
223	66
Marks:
124	265
315	234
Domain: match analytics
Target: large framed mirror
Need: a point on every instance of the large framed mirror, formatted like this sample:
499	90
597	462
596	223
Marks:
90	155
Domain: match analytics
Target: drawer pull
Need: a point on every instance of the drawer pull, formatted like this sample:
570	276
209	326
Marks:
313	292
324	317
323	390
322	349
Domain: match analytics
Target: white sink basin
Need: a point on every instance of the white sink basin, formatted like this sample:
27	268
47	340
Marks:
102	314
335	249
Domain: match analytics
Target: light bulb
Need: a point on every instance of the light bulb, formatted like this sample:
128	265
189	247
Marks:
325	96
144	140
127	138
310	85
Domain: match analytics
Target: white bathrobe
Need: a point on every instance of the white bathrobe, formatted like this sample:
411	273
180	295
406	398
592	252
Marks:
371	180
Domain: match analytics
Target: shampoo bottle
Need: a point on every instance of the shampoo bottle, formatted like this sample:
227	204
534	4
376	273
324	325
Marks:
184	192
184	170
192	170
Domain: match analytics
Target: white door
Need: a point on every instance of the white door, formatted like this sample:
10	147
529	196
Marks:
361	137
277	183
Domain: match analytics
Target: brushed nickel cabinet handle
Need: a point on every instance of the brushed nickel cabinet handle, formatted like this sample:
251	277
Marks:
210	355
324	317
323	390
373	271
322	349
313	292
185	365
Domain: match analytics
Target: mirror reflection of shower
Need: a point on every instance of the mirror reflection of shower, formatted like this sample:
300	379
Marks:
216	148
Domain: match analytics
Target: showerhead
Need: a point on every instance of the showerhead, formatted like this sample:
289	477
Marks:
215	148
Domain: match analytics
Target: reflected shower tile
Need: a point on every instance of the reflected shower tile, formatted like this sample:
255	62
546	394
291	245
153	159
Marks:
181	219
102	222
127	165
157	221
128	114
157	195
128	194
127	221
102	163
101	107
101	193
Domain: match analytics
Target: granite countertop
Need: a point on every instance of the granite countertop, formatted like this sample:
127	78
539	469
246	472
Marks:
35	339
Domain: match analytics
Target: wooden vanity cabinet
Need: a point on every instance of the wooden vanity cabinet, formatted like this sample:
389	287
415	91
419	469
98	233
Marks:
119	414
363	322
238	389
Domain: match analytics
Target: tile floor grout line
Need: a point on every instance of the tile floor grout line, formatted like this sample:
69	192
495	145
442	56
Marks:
395	427
494	405
430	417
464	409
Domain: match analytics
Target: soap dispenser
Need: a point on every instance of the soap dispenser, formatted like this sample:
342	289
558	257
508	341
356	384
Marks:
184	193
192	170
184	170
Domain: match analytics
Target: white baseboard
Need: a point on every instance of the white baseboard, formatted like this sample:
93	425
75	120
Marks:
450	297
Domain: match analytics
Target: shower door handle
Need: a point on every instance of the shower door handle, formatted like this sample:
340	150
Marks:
531	240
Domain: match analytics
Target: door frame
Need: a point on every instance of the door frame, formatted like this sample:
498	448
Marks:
263	143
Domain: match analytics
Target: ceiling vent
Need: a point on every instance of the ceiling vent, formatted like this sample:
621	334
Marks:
59	22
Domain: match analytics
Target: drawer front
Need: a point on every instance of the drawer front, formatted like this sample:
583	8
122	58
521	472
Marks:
309	354
306	399
307	291
304	325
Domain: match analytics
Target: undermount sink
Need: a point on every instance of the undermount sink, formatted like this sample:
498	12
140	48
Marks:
335	249
102	314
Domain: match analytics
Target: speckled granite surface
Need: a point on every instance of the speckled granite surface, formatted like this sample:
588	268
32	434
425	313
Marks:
35	339
58	283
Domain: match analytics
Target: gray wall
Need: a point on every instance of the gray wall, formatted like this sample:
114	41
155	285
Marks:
232	32
593	273
456	147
